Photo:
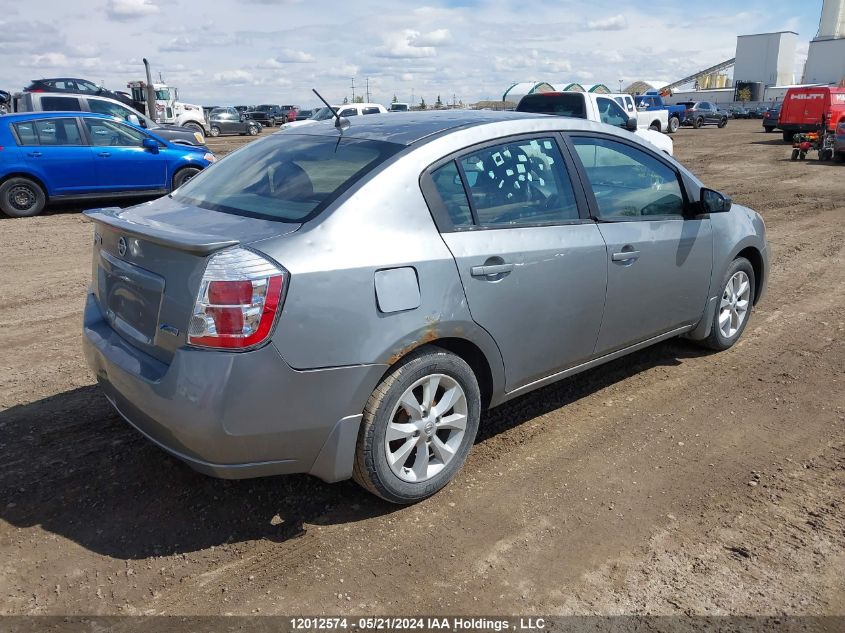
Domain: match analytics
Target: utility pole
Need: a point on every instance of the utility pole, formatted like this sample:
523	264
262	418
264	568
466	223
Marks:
368	89
353	90
412	97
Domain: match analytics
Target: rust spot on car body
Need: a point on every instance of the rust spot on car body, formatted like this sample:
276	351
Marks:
429	335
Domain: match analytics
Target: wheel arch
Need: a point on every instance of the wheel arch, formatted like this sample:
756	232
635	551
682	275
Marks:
755	257
488	371
23	174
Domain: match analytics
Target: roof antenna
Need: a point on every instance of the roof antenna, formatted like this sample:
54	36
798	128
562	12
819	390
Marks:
341	123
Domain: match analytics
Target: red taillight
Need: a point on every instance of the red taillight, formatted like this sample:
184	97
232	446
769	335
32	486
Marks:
238	302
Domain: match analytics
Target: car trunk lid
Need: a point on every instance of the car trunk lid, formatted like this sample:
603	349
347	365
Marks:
148	261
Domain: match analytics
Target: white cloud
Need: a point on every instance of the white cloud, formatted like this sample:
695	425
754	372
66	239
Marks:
613	23
234	77
130	9
403	45
433	38
290	56
48	60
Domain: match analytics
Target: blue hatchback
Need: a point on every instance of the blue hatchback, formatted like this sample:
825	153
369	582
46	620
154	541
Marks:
53	156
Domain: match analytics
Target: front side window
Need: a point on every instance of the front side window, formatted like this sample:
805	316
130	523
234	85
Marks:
629	183
611	112
49	132
112	109
286	177
105	133
519	183
87	86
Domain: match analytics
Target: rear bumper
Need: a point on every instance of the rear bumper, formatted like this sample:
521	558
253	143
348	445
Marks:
234	415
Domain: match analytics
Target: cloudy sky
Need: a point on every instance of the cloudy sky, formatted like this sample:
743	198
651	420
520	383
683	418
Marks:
258	51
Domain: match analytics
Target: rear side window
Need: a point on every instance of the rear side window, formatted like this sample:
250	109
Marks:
349	112
286	177
524	182
628	183
60	104
371	110
567	104
49	132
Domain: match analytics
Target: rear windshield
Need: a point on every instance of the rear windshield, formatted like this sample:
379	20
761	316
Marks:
561	105
285	177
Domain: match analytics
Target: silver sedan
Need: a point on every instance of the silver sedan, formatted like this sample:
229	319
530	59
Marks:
346	299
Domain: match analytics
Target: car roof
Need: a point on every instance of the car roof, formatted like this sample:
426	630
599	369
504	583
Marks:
50	114
416	126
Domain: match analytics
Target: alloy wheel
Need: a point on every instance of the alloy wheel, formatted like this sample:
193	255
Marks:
426	428
733	309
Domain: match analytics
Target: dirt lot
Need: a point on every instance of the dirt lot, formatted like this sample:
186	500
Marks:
673	481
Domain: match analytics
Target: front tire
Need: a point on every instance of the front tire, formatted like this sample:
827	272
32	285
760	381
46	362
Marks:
735	305
696	123
184	175
22	198
419	425
196	127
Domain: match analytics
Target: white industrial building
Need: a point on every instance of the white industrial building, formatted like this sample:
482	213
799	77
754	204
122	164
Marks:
826	58
768	58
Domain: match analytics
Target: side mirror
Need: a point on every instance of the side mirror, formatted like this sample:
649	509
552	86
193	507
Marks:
150	144
714	202
133	119
631	124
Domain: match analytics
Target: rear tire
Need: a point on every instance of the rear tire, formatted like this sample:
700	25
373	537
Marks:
406	453
735	305
184	175
674	124
654	126
22	198
723	122
787	137
254	130
214	131
768	129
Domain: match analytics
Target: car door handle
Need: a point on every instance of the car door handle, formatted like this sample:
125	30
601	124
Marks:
104	154
35	154
625	256
494	269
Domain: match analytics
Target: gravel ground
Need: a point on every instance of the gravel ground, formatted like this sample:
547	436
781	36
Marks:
673	481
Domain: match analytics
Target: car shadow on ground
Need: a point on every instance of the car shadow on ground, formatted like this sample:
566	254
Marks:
69	464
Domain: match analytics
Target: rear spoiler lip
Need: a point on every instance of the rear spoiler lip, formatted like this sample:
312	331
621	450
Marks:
172	238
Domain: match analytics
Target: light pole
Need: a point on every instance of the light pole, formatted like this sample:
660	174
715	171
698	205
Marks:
620	85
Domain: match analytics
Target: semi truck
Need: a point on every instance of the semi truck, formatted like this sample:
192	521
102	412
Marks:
168	110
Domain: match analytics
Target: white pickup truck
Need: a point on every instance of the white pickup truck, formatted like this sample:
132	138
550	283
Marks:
652	119
601	108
